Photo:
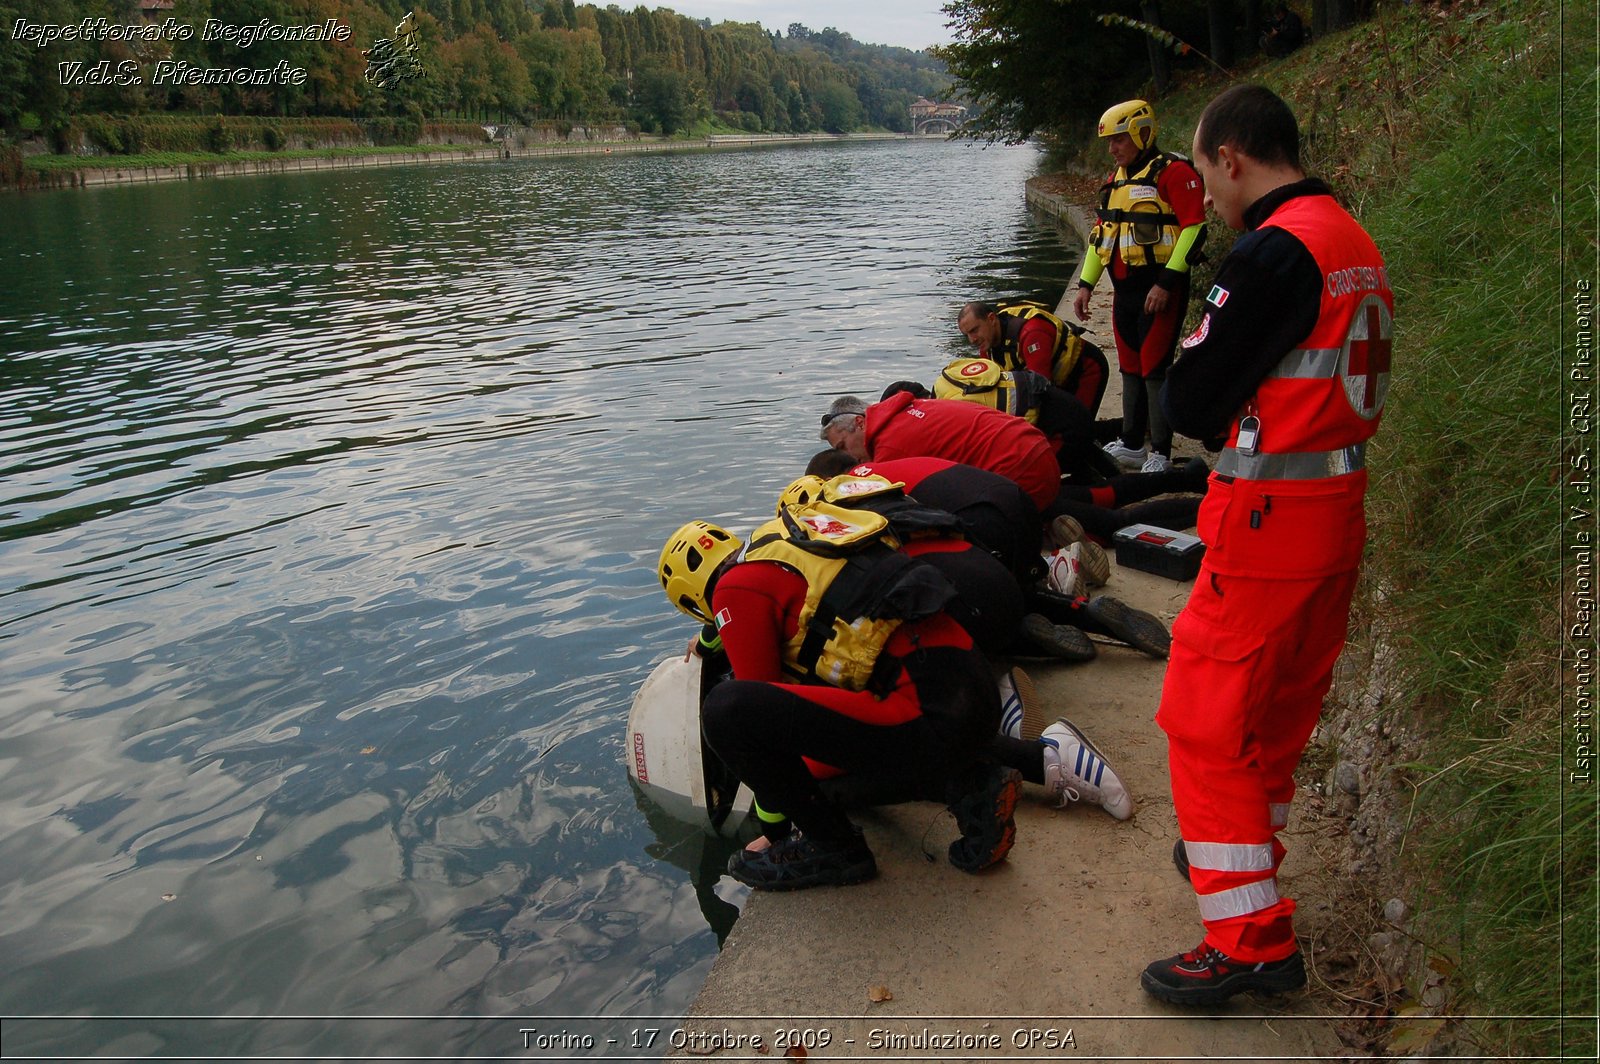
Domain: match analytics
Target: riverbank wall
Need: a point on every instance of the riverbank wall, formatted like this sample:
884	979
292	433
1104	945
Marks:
1055	205
91	176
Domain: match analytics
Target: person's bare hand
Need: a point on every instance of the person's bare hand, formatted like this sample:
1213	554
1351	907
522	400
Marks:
1157	300
1080	304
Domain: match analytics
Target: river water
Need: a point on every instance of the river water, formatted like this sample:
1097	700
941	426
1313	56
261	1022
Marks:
329	506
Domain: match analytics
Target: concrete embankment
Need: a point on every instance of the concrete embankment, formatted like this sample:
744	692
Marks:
1070	215
134	175
1039	957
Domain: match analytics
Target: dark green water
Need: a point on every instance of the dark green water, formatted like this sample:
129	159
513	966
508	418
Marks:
329	507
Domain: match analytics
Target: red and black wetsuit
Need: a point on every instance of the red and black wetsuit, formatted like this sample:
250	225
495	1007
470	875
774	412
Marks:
996	513
1146	342
923	737
1034	342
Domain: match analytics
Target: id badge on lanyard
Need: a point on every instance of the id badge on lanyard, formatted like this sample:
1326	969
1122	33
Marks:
1249	435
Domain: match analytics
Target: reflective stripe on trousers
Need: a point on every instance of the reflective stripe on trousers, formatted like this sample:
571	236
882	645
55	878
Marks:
1229	856
1238	901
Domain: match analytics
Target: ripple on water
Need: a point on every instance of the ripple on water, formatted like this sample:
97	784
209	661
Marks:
328	512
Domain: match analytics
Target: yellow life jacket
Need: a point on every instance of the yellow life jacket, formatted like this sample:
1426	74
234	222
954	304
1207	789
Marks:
907	518
1134	220
1069	341
980	380
859	589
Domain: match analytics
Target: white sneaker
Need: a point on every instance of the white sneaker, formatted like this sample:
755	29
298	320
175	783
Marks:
1075	771
1130	457
1021	709
1156	463
1066	576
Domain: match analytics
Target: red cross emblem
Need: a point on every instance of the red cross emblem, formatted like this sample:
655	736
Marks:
1368	359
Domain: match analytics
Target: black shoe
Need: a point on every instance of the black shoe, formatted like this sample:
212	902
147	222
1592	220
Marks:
1197	475
797	862
1180	858
1140	630
1204	976
1063	642
988	828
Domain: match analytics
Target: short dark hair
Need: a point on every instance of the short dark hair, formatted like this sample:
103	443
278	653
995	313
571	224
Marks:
978	309
1251	119
830	463
917	390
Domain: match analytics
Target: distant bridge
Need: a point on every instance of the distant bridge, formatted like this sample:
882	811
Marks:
930	117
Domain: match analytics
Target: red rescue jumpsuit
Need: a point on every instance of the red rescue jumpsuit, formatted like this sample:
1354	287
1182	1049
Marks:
1284	524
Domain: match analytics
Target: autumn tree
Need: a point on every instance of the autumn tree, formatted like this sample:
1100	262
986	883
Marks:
1032	66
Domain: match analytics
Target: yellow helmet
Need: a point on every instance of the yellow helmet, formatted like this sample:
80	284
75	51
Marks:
1135	118
807	489
688	562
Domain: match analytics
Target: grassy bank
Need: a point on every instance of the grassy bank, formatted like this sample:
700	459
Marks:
1464	139
1470	516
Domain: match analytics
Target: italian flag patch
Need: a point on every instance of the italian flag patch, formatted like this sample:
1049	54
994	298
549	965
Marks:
1217	296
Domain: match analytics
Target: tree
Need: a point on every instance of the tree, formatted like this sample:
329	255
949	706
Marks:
662	97
1160	69
1219	23
1033	66
840	110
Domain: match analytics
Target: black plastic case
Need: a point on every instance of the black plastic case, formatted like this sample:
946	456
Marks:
1175	555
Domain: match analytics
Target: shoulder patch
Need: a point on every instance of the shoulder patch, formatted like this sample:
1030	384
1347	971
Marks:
722	618
1200	333
1217	296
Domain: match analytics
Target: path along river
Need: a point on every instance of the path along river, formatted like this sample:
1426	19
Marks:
329	507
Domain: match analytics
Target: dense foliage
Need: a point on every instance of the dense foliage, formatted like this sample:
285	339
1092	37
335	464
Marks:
485	60
1049	67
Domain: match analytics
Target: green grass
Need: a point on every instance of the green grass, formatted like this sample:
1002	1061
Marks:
1468	510
1444	129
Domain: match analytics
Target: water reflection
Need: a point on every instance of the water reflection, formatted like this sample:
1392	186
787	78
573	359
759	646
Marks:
328	506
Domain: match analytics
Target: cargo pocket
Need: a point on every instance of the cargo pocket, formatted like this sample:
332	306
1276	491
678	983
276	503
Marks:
1211	688
1146	230
1291	534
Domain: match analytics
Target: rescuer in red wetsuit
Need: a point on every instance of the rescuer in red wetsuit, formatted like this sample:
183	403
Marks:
908	701
1150	224
1291	365
903	426
1024	335
1000	520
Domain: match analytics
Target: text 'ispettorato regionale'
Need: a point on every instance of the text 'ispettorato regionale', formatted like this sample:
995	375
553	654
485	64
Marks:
171	71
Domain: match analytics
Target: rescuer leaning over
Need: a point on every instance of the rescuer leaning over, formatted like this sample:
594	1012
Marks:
850	661
1291	366
1151	225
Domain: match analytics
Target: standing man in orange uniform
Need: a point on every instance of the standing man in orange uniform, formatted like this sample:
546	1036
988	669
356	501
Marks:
1151	223
1291	366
